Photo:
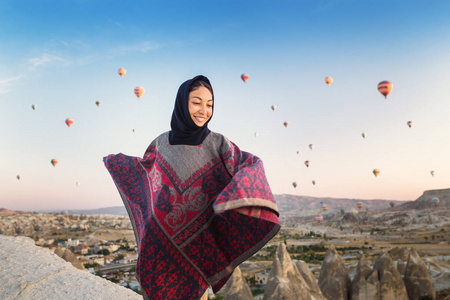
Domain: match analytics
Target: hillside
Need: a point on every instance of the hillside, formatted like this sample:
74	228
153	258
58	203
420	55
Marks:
424	201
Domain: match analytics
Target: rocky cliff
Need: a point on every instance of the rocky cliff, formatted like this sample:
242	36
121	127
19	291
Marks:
424	201
31	272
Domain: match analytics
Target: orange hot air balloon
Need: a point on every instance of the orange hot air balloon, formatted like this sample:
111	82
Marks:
69	122
319	218
273	107
385	87
329	80
33	106
139	91
364	135
286	124
359	205
122	72
54	161
307	163
376	172
97	103
244	77
324	207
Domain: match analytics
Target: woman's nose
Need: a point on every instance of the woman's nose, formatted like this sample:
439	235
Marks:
203	109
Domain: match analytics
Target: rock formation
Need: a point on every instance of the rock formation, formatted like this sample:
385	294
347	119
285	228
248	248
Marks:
310	280
334	280
68	256
237	288
401	267
365	285
417	278
32	272
285	281
391	283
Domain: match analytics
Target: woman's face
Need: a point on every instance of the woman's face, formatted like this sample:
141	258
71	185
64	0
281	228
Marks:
200	105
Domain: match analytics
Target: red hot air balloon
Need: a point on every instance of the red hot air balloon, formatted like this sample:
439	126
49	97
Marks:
244	77
359	205
122	72
329	80
385	87
319	218
69	122
139	91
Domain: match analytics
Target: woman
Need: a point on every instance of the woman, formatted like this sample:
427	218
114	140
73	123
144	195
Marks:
199	206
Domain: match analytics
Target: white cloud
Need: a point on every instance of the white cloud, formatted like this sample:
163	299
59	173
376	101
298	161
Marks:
43	60
6	83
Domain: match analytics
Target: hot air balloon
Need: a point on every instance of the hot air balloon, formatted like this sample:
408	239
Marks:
298	152
364	135
244	77
54	161
385	87
134	130
77	183
314	182
322	203
33	106
435	200
97	103
311	146
376	172
294	184
286	124
256	134
139	91
122	72
392	204
69	122
432	173
410	123
319	218
273	107
354	211
18	177
307	163
324	207
342	211
359	205
329	80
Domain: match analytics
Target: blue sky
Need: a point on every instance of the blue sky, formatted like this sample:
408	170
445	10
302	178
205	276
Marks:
64	56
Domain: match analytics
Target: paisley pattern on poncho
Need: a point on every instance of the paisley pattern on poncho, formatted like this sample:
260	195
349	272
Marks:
197	213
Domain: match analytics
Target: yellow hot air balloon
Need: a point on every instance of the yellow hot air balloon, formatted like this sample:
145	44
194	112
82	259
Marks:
245	77
364	135
324	207
54	161
385	87
122	72
307	163
286	124
410	124
139	91
97	103
329	80
376	172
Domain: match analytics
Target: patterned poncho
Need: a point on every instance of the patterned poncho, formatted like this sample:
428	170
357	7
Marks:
197	213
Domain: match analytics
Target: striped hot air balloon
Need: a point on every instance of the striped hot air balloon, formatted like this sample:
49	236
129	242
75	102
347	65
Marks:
122	72
359	205
319	218
139	91
385	87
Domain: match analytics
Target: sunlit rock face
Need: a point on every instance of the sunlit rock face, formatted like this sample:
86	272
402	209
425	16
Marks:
391	283
285	281
334	280
417	278
313	287
365	285
237	288
32	272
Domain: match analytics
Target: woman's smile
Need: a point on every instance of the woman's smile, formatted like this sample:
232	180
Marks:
200	105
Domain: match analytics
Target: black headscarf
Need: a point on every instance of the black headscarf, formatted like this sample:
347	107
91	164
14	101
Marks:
184	130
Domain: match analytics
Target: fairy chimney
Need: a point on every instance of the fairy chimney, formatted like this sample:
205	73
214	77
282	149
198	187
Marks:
365	285
334	280
391	283
417	278
285	281
237	288
310	280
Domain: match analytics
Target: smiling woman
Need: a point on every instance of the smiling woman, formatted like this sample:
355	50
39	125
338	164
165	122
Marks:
198	204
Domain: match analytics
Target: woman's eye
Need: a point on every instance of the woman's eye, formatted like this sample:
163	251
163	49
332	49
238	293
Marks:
209	105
